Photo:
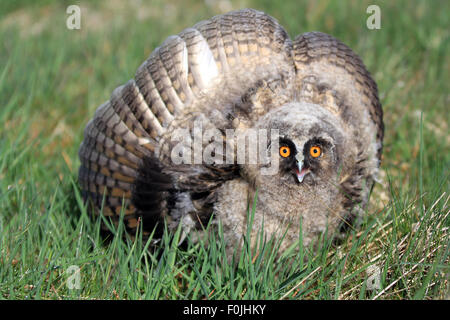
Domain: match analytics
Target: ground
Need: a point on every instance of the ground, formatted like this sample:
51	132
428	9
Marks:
52	79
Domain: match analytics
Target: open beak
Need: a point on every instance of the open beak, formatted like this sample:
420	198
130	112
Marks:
301	172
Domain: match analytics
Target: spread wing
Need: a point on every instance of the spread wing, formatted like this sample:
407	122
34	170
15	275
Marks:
217	60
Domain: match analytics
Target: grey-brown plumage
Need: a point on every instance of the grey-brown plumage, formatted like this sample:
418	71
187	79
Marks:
238	71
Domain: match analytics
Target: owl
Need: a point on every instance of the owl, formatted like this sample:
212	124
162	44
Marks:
229	117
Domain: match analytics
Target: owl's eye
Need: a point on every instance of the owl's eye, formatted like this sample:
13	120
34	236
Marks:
285	151
315	151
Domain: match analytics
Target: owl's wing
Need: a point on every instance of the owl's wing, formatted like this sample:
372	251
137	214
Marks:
331	74
215	61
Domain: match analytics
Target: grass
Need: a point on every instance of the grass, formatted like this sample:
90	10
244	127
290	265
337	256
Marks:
52	79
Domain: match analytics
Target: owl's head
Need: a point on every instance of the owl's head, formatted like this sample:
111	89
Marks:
311	140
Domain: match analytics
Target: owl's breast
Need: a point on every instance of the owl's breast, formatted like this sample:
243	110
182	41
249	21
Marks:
279	208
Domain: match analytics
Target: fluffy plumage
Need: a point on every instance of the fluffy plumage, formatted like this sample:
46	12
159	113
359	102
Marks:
238	71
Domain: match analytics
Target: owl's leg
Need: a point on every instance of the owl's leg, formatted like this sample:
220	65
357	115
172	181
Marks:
183	212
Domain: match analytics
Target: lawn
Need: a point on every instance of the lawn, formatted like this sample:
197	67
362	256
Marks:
52	79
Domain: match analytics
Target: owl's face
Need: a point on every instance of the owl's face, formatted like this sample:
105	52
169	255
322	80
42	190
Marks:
306	161
310	142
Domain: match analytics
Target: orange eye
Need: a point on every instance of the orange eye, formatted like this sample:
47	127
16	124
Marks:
285	152
315	151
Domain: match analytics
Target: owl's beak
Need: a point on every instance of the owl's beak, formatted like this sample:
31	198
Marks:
301	172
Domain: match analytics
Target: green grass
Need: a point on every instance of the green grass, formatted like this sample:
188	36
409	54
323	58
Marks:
52	79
